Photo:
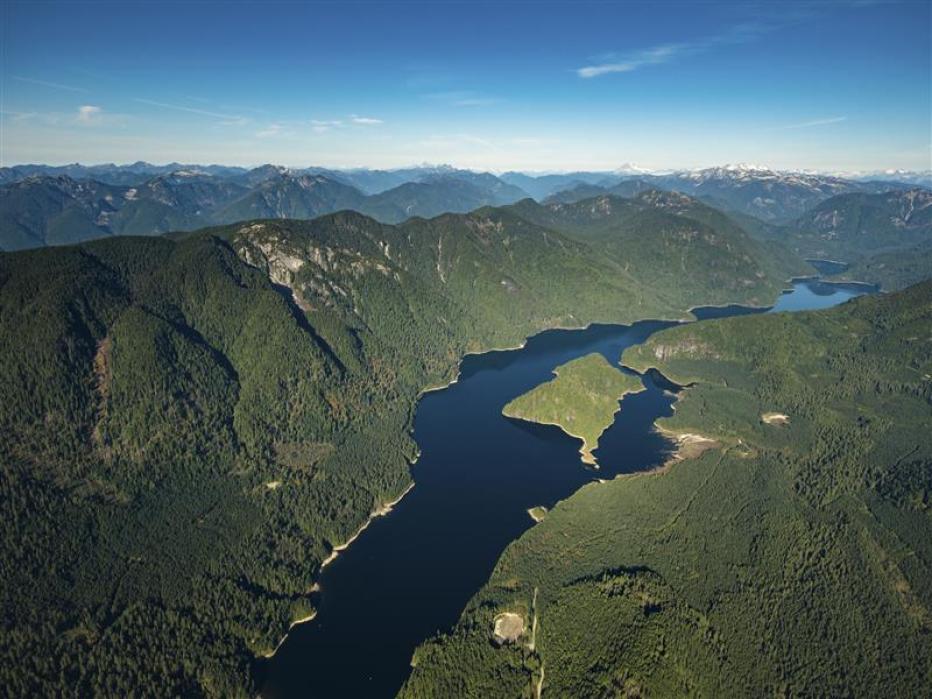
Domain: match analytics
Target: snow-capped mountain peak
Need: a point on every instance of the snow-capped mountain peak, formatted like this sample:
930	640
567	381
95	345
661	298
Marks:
631	169
731	172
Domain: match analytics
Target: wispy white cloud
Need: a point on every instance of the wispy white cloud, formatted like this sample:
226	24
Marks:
232	119
83	116
89	114
324	125
815	122
46	83
647	57
665	53
365	121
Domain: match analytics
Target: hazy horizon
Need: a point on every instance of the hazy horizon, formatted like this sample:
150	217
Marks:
632	170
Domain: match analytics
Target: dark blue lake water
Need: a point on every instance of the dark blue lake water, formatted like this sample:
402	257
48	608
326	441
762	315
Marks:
410	574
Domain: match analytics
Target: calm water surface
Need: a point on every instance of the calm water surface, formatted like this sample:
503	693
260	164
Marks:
410	574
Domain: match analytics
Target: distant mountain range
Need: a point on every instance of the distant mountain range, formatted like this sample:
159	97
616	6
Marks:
767	195
53	205
134	173
57	209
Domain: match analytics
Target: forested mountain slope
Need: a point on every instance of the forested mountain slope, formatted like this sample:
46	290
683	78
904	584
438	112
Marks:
885	238
858	224
793	558
56	211
438	195
192	423
893	270
664	238
583	190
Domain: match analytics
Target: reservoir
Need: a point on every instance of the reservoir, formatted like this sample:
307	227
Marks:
409	574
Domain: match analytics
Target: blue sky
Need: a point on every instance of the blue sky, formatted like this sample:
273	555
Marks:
836	86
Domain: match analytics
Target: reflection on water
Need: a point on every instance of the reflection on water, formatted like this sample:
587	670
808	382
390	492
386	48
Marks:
828	267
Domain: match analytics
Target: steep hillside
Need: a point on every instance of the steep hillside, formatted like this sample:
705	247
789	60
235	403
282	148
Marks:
853	225
43	210
542	186
725	574
499	191
663	238
893	270
179	200
577	192
377	181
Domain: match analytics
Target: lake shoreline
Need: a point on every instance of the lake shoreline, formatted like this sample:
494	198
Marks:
297	622
334	552
380	511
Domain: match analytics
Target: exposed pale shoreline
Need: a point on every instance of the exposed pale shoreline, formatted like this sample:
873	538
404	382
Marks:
378	512
387	507
683	440
687	445
294	623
